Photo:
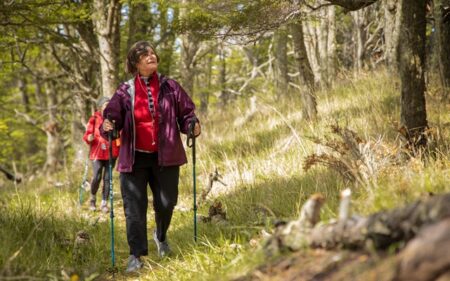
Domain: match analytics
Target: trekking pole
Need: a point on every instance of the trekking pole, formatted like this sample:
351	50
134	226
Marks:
83	182
111	195
191	143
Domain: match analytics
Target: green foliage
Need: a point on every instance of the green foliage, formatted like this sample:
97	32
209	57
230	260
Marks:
236	18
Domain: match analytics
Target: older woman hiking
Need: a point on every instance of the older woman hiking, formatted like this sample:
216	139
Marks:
150	110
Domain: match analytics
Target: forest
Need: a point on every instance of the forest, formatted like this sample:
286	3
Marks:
323	153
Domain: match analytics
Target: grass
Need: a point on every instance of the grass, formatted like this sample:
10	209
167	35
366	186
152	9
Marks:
261	162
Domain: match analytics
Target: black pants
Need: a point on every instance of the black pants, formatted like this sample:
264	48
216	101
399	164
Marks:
101	167
163	182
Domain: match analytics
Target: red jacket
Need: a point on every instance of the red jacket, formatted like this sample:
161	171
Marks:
99	146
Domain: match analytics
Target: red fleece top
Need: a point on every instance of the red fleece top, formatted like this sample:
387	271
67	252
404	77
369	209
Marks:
146	127
99	146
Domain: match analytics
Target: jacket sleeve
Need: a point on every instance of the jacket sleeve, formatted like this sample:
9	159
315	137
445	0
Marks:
185	107
89	129
115	111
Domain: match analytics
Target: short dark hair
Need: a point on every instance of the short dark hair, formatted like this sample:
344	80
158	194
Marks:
134	54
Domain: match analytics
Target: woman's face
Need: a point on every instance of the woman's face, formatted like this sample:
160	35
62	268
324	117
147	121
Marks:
148	63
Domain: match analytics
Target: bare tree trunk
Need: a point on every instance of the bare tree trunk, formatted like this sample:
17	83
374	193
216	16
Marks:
305	71
189	48
106	20
22	85
167	39
320	42
54	143
223	77
38	91
311	44
360	38
411	60
281	62
442	17
204	98
331	41
322	36
391	31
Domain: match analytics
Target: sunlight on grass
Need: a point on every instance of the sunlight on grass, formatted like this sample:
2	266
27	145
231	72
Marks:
261	163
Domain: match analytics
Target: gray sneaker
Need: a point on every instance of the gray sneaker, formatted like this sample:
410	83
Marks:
134	264
104	207
163	247
92	206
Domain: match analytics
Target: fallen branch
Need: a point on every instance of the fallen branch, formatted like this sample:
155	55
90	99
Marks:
378	230
382	229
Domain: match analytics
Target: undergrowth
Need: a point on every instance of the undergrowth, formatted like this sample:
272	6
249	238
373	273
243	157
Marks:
261	158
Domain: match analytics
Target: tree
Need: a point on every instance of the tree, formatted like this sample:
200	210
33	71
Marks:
305	72
442	19
391	31
106	18
280	39
411	60
190	45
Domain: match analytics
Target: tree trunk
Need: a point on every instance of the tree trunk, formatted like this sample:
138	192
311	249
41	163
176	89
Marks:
52	129
411	60
189	48
167	42
204	98
223	77
391	31
443	32
22	85
106	20
38	91
360	38
281	62
322	36
311	44
305	72
331	41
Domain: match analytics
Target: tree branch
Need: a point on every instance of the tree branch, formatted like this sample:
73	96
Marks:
352	5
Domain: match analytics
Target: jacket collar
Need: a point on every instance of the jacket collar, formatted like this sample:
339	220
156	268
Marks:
130	89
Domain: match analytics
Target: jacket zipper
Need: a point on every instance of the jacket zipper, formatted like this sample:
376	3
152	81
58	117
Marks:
160	140
131	92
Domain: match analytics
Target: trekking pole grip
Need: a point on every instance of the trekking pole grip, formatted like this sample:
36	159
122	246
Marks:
190	136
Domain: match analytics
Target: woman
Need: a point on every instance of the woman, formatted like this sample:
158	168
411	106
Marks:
99	154
151	110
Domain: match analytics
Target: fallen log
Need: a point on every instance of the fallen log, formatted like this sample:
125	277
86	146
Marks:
382	229
426	257
378	230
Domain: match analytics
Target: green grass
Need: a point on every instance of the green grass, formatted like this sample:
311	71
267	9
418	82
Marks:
261	163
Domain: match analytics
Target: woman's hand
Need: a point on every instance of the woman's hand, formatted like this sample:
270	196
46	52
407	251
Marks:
107	125
197	129
90	137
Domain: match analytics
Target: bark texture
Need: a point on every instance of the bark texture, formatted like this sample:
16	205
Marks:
306	76
106	20
411	61
280	39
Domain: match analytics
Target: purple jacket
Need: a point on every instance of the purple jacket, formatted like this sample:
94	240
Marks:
176	109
